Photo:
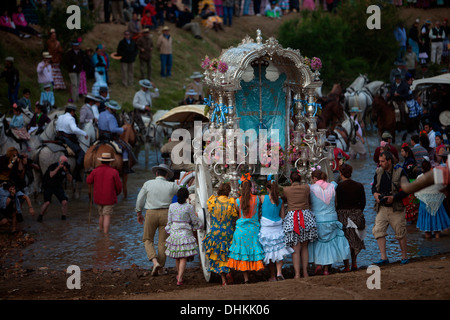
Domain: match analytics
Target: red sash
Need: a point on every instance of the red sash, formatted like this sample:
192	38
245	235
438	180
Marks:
298	215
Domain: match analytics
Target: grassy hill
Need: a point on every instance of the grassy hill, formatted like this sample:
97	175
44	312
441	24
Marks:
188	53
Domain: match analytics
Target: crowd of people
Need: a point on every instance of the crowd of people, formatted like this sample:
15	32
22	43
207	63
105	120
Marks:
320	223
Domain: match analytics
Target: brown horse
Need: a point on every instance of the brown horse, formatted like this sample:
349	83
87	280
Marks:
331	114
383	114
91	161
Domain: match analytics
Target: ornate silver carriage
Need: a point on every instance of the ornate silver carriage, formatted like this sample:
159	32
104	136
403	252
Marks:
267	90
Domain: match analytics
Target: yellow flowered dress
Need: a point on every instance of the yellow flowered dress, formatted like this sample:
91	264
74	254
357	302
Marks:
218	240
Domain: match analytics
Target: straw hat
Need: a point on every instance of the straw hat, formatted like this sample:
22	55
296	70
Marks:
46	55
106	157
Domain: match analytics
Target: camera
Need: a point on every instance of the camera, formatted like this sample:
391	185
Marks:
20	156
383	198
66	165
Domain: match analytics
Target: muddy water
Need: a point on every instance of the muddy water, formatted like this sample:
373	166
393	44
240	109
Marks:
77	240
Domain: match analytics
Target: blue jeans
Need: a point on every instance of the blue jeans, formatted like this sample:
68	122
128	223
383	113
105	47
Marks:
246	7
166	65
13	94
227	16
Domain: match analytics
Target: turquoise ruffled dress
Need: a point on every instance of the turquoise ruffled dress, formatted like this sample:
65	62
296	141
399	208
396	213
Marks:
331	246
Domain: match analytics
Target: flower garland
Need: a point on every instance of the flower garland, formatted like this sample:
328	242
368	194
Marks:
214	65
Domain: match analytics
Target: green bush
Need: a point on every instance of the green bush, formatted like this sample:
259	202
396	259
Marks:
343	42
58	21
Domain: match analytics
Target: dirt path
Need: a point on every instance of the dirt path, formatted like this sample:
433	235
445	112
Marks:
422	279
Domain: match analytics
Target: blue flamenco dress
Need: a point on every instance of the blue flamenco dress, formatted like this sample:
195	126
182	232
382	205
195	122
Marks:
246	252
331	246
432	214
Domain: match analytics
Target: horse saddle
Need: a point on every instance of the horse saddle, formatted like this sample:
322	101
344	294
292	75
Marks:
57	146
112	143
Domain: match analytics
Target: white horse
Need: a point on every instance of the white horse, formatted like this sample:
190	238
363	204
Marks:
50	152
357	84
363	99
345	132
8	141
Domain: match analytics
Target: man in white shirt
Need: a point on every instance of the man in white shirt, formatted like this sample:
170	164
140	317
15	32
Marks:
67	131
143	98
431	134
156	196
142	102
89	111
44	70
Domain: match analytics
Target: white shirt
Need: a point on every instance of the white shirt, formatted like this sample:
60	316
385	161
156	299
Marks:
156	194
432	138
144	98
66	123
44	73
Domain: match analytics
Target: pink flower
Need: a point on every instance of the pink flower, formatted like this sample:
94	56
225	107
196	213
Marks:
206	63
222	67
316	63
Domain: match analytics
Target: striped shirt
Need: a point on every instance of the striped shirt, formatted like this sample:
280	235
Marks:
419	153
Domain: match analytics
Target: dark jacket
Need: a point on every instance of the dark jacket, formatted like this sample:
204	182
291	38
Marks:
11	75
128	51
75	61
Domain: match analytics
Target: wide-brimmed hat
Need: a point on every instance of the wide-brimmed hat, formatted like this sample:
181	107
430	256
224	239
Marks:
115	56
146	30
196	75
400	62
71	106
90	96
145	83
47	85
355	109
191	92
106	156
165	28
113	105
165	167
46	55
9	59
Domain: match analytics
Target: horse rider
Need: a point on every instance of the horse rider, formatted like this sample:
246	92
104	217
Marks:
67	131
398	95
142	102
110	131
89	111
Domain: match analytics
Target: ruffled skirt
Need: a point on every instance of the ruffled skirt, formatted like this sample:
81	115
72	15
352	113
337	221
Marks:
58	77
331	246
181	244
246	252
353	232
428	223
309	233
272	239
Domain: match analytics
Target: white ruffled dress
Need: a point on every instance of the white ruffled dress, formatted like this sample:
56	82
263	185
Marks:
271	234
